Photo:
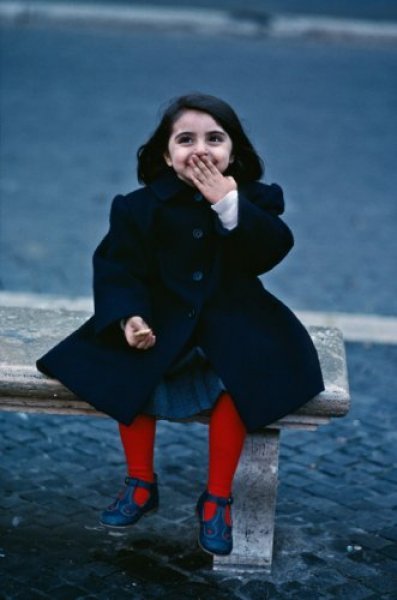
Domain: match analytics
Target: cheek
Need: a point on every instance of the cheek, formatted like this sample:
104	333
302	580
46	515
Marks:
181	157
223	160
180	162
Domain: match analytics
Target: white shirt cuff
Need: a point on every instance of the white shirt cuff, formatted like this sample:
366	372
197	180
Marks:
227	210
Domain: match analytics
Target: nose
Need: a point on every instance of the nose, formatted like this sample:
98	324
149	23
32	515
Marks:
201	148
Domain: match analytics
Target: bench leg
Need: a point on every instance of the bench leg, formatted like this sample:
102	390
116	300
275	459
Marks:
255	491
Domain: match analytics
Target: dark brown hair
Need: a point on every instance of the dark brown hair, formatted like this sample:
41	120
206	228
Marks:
247	165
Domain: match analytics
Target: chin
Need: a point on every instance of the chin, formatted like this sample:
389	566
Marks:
185	179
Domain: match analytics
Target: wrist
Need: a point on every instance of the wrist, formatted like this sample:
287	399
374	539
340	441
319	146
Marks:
227	192
227	210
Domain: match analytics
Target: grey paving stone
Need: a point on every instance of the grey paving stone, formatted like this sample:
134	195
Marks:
389	533
377	596
331	469
325	577
390	551
391	475
66	592
259	590
383	585
364	519
374	542
386	500
353	591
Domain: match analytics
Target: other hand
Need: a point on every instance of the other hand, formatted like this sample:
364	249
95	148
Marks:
138	334
207	178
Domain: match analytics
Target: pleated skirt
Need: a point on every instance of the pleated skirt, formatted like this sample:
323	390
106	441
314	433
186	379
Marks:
191	387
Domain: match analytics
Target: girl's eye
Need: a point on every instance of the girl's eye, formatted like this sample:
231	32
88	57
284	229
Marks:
216	138
185	139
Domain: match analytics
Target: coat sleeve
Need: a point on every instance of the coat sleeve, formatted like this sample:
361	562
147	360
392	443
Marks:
120	271
261	239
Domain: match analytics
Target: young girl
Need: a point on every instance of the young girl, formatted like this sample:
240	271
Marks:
182	324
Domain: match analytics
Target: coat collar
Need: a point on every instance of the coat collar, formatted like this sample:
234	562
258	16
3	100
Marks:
169	185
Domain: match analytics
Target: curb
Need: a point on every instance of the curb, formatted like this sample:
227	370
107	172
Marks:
361	328
201	21
330	27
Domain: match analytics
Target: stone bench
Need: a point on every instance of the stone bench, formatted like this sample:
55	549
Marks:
27	333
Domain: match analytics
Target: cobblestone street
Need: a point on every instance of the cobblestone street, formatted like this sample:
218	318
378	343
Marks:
336	534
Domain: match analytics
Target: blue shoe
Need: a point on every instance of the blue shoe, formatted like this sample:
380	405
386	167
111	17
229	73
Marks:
124	511
215	535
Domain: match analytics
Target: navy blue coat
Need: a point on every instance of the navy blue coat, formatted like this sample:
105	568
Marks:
167	258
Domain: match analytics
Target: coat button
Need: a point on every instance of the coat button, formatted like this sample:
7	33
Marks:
197	276
192	313
198	233
198	197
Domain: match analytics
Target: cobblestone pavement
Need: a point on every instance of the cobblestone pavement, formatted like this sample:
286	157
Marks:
336	534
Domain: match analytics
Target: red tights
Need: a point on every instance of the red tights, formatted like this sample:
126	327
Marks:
226	438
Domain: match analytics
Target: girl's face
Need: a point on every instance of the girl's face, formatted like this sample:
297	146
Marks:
196	133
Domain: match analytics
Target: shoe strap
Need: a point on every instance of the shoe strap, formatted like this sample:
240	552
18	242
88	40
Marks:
218	499
133	481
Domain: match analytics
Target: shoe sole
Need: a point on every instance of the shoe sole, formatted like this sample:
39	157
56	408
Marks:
211	552
146	514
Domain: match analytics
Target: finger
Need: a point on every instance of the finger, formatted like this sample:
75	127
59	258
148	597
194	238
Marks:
137	338
198	183
147	343
142	332
140	345
196	158
206	166
198	174
198	177
150	342
210	165
199	163
142	339
137	324
199	166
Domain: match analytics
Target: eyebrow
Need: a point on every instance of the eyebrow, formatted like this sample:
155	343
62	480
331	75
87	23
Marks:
218	131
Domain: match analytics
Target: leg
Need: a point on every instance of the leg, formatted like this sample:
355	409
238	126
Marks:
138	443
226	438
140	495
